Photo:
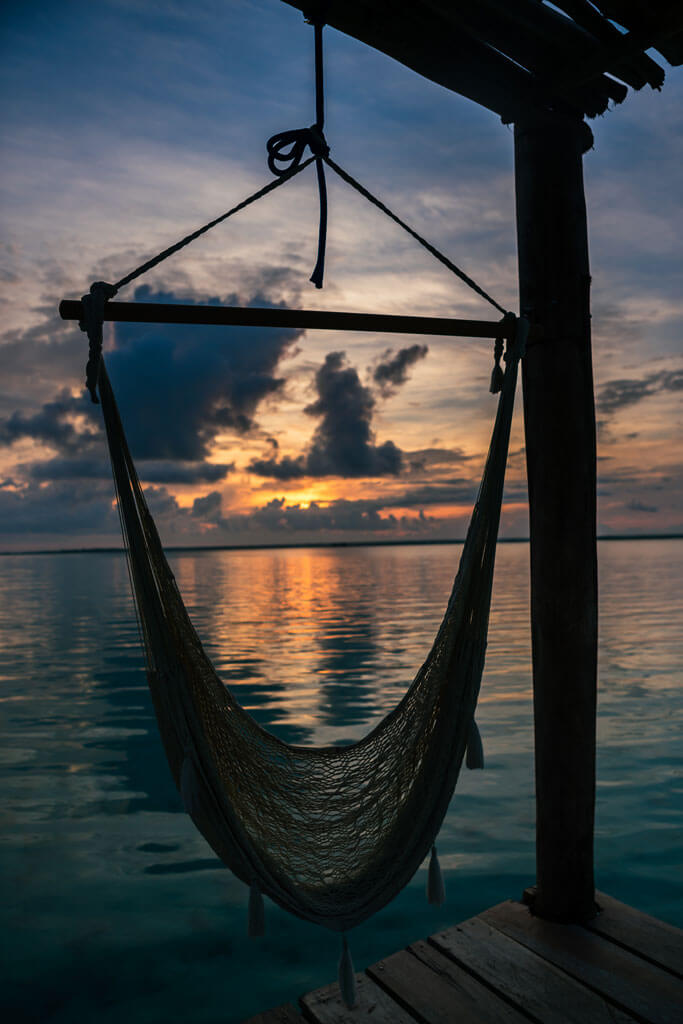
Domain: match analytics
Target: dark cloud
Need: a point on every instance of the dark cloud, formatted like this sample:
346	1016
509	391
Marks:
179	386
282	469
149	472
277	517
32	359
639	506
58	508
54	424
618	394
343	443
208	509
392	369
446	493
432	458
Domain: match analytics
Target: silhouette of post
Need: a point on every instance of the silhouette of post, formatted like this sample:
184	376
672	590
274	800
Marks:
559	419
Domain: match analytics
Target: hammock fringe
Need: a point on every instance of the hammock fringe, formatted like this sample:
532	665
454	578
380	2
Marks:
347	977
257	915
190	792
436	890
474	757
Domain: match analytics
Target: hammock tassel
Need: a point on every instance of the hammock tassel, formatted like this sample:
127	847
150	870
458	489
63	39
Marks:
347	977
497	374
475	749
189	785
257	914
436	890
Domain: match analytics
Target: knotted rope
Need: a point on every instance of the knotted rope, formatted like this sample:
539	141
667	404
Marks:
93	316
94	302
345	176
286	149
285	160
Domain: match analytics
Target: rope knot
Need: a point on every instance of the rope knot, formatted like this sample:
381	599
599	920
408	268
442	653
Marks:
286	149
92	306
317	142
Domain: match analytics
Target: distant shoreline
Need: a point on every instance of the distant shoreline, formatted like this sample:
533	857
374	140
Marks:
319	544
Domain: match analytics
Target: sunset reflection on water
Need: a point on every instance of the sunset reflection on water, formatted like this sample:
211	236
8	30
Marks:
113	898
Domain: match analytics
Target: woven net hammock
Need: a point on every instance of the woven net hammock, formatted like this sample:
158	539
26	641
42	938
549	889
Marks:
331	834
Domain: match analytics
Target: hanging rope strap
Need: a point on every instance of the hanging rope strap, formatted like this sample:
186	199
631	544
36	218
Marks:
160	257
100	291
93	317
286	149
345	176
285	160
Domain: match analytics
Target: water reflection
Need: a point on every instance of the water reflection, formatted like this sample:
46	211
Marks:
116	903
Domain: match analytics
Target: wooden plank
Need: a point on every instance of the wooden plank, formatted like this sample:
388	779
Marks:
657	23
559	422
313	319
536	37
422	40
286	1014
636	69
325	1005
438	991
632	984
524	978
651	939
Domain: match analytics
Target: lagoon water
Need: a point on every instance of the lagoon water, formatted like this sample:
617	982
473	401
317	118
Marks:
115	909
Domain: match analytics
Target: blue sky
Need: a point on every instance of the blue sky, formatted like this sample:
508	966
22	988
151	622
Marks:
127	124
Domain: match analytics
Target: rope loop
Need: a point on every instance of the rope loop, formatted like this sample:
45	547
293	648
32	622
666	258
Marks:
93	305
286	149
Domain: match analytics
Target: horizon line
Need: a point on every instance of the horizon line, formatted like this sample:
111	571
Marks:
320	544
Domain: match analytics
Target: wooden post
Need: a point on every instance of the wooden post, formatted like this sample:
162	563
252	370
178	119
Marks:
559	419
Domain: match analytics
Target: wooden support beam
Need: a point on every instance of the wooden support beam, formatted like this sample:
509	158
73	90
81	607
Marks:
306	319
559	419
430	46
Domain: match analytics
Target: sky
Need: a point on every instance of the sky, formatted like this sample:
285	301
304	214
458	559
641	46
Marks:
126	124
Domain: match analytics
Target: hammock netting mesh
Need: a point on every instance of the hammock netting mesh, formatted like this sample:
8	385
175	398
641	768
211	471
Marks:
331	834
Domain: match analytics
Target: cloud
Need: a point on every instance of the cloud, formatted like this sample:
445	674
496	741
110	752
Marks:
618	394
55	424
392	369
178	387
639	506
276	517
343	443
58	508
453	492
427	459
167	472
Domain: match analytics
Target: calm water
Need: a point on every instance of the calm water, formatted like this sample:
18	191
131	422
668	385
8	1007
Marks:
114	909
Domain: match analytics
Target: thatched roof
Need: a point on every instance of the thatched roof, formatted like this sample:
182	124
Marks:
517	57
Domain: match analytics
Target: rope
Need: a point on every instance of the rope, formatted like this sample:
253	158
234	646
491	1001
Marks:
345	176
160	257
287	149
285	160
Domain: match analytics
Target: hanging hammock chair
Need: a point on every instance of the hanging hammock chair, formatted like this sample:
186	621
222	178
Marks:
331	834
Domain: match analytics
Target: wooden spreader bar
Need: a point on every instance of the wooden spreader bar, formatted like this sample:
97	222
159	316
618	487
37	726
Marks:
313	319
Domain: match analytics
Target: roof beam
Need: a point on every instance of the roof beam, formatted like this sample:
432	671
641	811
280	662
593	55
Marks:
538	38
431	47
656	24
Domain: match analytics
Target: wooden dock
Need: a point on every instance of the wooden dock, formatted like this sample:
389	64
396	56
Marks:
507	967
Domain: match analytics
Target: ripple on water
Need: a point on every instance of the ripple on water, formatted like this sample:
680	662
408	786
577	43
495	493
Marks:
115	903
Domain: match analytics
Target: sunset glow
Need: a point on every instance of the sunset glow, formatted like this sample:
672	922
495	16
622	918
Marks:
246	435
